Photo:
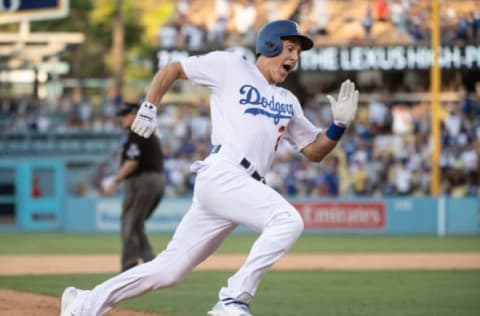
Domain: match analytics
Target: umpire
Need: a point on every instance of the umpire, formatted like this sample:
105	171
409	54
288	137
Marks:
141	171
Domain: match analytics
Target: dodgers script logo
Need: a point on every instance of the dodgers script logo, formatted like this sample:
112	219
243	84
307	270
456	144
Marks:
264	106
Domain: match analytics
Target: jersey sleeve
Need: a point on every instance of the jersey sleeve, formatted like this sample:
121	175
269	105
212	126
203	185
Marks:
132	149
209	69
300	131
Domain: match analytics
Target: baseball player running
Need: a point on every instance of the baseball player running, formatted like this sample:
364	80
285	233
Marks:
250	116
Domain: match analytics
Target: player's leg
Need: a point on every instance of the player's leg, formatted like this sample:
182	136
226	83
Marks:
197	236
243	200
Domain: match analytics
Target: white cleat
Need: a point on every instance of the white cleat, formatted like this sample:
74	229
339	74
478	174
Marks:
71	297
230	307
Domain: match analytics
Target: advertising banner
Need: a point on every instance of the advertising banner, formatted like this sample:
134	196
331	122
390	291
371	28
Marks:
362	58
164	219
342	215
390	216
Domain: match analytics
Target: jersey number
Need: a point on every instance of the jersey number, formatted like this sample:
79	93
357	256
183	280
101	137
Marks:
280	130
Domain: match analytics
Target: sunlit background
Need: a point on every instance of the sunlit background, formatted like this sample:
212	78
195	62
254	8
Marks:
65	66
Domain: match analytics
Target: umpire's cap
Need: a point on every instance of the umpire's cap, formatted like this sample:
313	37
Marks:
127	108
269	39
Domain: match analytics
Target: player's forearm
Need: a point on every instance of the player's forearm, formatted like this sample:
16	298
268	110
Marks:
163	80
318	149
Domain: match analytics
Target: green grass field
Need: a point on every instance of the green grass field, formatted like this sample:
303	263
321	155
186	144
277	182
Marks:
58	243
282	293
301	293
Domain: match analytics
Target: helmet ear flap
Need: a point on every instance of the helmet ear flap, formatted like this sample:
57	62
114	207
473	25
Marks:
272	47
269	45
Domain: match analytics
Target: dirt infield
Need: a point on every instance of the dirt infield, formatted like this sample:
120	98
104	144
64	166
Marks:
13	303
64	264
27	304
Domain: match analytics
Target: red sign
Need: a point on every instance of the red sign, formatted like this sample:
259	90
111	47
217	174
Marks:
342	215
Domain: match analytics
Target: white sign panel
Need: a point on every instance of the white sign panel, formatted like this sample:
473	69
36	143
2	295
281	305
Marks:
387	58
164	219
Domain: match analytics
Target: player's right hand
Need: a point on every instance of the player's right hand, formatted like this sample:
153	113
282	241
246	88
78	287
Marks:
146	120
109	186
345	107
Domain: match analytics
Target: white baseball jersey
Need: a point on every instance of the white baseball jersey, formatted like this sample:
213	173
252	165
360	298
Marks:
249	118
249	115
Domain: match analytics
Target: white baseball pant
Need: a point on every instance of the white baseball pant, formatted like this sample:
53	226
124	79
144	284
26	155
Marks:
224	196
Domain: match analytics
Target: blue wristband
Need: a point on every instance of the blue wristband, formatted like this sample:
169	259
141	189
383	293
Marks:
335	132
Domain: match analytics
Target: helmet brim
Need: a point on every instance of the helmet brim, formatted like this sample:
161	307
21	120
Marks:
305	42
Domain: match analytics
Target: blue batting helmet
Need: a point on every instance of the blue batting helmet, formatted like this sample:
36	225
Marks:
269	39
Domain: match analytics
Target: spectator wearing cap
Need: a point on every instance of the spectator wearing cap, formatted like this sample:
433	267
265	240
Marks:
141	172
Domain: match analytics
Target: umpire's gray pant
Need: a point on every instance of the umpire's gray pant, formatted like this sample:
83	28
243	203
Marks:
142	195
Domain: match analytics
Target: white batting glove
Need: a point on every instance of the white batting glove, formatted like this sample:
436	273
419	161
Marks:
146	120
345	108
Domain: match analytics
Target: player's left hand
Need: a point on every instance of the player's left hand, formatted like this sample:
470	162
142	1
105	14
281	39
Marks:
345	107
146	120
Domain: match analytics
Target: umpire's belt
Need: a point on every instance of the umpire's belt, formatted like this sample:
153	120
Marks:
244	163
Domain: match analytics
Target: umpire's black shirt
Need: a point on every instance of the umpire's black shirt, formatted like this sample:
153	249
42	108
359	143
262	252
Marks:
146	151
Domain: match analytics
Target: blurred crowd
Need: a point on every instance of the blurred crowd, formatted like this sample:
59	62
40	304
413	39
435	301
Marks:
235	22
72	112
387	151
459	20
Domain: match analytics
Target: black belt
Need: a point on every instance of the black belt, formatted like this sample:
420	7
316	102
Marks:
244	163
215	149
